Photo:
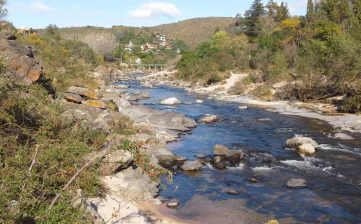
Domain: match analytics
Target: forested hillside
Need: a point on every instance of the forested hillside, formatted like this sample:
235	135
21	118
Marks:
192	31
317	54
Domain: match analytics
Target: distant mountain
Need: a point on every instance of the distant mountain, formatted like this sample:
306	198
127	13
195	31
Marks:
192	31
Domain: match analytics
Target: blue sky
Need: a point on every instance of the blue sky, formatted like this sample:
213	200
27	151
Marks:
66	13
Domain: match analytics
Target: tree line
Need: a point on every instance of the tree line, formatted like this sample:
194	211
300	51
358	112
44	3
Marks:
317	54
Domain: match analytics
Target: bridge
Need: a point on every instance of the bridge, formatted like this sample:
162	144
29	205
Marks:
146	66
140	66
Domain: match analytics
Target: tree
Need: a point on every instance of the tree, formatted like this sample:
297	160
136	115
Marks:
51	29
282	12
310	10
336	11
272	8
252	18
3	10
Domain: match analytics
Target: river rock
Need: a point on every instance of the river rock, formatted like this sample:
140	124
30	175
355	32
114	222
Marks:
158	119
219	162
208	118
243	107
199	101
200	156
121	86
192	166
173	204
232	191
297	183
306	149
170	101
303	145
234	157
220	150
167	161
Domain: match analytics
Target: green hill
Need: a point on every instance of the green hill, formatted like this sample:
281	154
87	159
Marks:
192	31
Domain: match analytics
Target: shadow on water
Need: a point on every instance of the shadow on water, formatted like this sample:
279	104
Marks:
333	174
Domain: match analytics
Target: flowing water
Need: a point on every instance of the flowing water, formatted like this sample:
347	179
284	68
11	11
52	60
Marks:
333	174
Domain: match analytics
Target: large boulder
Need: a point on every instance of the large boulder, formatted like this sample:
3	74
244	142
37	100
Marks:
170	101
220	150
219	162
133	184
303	145
157	118
192	166
167	161
234	157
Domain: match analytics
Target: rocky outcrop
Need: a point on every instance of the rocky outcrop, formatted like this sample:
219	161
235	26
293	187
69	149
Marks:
133	184
115	162
158	119
19	60
303	145
83	92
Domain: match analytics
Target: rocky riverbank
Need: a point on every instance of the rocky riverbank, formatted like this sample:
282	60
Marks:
222	91
127	184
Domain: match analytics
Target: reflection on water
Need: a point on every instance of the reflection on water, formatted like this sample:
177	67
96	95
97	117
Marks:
333	174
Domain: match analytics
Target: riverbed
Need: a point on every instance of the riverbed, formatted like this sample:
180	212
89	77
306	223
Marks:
333	174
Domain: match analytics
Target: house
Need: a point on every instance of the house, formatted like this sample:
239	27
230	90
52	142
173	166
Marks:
148	46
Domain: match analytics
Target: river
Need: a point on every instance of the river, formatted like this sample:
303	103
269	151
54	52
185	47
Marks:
333	174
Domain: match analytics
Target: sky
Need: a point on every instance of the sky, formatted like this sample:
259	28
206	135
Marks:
106	13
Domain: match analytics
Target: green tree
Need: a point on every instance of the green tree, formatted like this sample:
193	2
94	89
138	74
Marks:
310	10
51	29
337	11
252	18
180	44
3	10
282	12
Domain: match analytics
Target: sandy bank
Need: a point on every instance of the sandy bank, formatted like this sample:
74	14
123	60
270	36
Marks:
220	91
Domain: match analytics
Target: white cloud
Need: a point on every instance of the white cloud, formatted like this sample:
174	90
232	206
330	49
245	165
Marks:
298	7
150	10
39	6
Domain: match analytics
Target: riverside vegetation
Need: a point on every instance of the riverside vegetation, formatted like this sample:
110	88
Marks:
43	152
316	55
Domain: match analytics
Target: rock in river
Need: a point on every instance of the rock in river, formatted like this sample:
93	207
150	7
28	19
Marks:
297	183
173	204
192	166
220	150
303	145
208	118
170	101
219	162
